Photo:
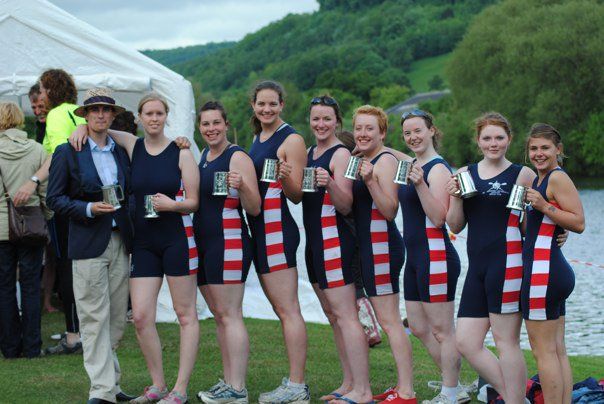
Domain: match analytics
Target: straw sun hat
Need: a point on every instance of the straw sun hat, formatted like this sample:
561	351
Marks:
98	96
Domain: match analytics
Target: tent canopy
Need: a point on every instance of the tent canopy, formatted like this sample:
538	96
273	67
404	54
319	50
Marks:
36	35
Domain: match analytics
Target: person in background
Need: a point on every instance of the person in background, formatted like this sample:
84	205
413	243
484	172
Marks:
375	204
59	93
330	246
38	107
548	279
225	248
275	233
20	158
125	122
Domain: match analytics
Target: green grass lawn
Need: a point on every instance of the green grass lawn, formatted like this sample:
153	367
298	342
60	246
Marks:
62	379
423	70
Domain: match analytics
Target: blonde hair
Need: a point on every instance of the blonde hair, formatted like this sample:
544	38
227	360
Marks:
378	112
11	116
153	96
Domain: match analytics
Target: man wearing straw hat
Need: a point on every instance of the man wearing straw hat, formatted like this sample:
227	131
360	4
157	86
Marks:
91	187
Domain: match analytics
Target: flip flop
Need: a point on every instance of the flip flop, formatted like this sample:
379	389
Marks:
349	401
334	396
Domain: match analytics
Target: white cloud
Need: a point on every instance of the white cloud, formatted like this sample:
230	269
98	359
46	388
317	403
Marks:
158	24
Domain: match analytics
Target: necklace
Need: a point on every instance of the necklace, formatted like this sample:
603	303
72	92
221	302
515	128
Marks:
205	164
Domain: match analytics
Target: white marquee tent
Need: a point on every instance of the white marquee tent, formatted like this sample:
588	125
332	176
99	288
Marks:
36	35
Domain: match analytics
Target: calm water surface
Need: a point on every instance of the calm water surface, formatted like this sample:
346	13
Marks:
584	308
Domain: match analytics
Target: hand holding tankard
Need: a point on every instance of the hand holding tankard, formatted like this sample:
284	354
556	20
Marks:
322	177
534	198
453	187
235	180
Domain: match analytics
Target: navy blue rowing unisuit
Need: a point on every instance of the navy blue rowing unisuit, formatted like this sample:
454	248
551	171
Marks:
380	243
164	245
432	266
329	240
274	231
225	248
494	247
548	278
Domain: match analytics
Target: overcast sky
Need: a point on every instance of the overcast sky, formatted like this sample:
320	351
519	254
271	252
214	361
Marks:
161	24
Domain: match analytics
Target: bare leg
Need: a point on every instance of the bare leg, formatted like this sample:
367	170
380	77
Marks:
143	295
389	316
567	373
543	338
281	289
506	333
346	385
470	335
420	327
207	295
227	300
183	290
342	301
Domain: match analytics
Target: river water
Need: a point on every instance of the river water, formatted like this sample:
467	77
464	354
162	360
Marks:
584	308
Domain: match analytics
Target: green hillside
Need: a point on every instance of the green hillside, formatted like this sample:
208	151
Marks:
172	57
422	73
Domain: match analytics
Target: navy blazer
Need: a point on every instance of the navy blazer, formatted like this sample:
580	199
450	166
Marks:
69	193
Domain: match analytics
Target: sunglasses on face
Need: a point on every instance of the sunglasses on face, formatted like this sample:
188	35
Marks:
323	101
415	113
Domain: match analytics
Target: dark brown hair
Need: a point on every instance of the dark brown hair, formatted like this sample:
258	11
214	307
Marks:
546	131
34	92
347	138
428	119
327	100
494	119
60	87
213	106
264	85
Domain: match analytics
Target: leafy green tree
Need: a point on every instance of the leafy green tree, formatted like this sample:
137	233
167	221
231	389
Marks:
436	83
389	96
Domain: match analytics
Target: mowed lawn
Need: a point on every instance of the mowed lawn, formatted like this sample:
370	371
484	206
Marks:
62	379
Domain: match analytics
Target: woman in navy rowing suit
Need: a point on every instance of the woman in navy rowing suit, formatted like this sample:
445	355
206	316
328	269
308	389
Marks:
225	249
548	279
491	292
375	204
432	265
275	233
330	246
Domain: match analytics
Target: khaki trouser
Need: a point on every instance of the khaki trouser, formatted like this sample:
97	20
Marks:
100	287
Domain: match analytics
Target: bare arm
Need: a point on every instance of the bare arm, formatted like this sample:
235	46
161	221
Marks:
525	178
383	190
125	139
456	219
26	190
292	154
561	190
242	176
190	179
399	154
434	198
339	188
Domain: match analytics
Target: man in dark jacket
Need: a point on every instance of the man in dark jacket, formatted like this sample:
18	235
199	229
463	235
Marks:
100	239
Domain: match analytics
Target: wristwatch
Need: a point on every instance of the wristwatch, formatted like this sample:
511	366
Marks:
35	179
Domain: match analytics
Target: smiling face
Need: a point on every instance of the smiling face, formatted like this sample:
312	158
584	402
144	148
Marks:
38	108
493	142
323	122
267	106
153	116
99	117
212	127
43	97
543	153
417	136
367	134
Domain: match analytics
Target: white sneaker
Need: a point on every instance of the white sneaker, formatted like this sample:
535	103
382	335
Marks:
286	393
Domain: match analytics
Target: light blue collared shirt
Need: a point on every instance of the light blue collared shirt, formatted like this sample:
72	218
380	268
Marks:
105	165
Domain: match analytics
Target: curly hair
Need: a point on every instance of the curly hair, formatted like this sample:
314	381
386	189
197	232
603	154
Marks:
60	87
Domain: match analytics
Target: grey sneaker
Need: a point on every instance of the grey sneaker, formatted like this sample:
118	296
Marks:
286	393
211	389
462	398
224	394
152	394
62	348
174	398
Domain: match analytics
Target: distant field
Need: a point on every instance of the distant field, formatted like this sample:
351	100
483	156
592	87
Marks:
423	70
